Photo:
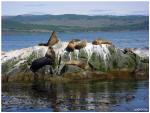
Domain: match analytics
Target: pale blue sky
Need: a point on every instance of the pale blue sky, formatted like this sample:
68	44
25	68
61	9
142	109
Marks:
85	8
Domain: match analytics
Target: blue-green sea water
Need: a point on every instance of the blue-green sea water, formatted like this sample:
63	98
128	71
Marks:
123	39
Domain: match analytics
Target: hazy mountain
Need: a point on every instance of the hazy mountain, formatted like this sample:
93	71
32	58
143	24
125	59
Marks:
72	22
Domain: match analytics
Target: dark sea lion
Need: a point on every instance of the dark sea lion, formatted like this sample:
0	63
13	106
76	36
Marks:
42	44
49	59
75	40
127	50
39	63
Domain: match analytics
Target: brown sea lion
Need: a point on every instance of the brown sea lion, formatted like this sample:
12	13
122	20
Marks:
52	40
81	44
71	45
101	41
75	44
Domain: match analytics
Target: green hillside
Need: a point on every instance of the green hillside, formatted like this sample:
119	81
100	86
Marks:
73	23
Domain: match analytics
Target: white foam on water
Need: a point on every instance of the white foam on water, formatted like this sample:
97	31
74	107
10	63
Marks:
141	52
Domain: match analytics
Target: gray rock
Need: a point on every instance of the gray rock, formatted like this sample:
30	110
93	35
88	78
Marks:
103	58
70	69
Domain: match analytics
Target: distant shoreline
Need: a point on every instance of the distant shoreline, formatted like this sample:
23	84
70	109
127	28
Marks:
22	32
73	23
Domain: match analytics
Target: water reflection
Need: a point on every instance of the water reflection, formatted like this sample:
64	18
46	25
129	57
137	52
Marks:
76	96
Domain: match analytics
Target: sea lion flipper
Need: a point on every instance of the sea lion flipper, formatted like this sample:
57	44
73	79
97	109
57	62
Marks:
53	39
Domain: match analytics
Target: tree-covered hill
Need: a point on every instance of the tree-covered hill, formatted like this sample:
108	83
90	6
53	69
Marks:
72	22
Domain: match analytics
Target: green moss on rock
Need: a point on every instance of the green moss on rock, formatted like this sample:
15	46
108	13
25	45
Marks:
8	65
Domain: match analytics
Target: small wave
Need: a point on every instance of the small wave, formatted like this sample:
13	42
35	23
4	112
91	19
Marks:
142	52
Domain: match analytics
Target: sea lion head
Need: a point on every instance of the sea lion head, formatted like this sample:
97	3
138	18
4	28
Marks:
75	40
50	53
70	47
81	44
127	50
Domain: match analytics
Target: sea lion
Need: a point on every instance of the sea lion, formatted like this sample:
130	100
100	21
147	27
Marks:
49	59
39	63
71	45
127	50
75	40
50	53
52	40
101	41
75	44
81	44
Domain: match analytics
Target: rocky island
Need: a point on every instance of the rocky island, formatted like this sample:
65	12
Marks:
74	60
